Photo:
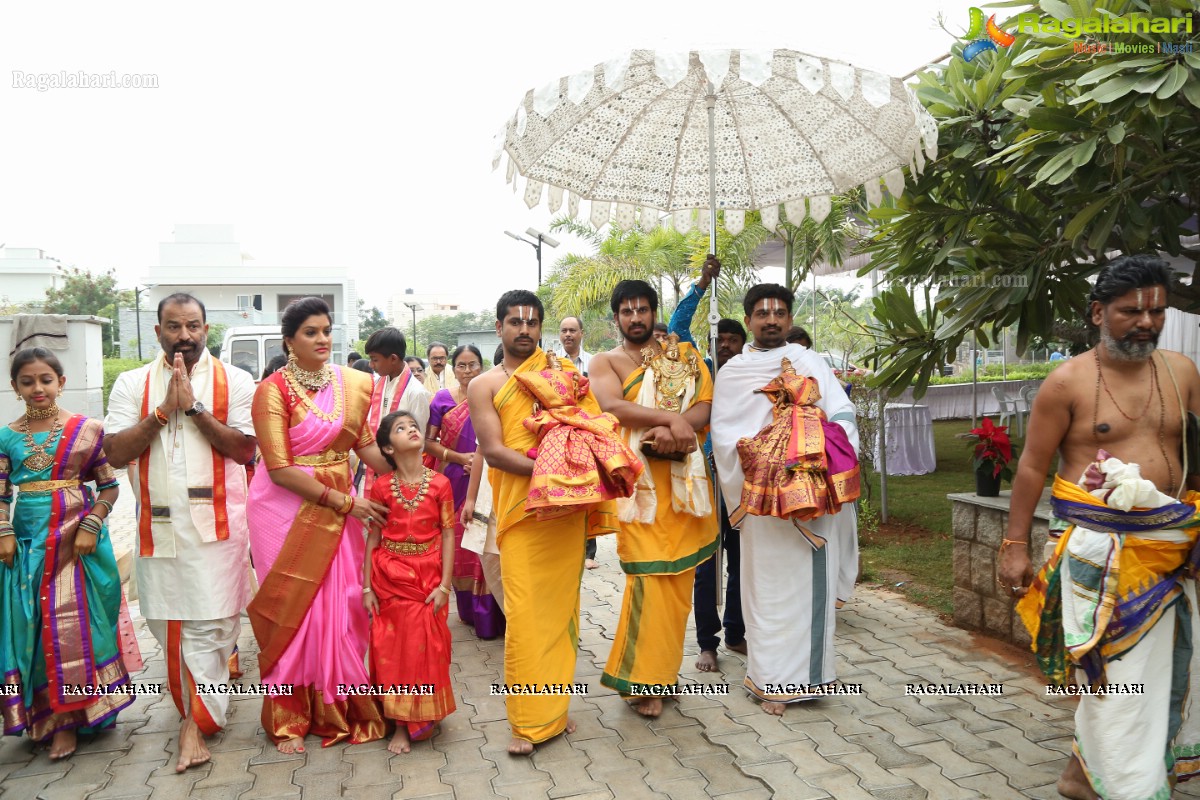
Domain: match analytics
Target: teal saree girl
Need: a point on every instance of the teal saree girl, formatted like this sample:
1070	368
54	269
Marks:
59	587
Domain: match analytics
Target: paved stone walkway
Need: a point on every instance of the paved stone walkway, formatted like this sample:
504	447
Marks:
881	745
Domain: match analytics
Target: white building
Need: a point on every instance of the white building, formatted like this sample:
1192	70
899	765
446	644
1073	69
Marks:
207	261
402	307
25	275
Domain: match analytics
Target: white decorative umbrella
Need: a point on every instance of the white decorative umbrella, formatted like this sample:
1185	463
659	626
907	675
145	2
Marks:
688	134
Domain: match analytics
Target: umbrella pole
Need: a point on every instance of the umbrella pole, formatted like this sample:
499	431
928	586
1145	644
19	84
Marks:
710	101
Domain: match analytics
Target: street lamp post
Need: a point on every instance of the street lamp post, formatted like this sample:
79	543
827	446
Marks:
137	314
413	307
536	245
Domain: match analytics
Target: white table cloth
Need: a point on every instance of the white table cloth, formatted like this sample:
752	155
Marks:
909	435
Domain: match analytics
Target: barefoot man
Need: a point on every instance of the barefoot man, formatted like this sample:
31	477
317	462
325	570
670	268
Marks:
541	561
182	423
794	576
1115	603
662	394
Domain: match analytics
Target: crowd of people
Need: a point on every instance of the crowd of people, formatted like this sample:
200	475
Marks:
347	576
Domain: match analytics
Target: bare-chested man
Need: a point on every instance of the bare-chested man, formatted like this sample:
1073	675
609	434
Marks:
541	561
1116	584
662	393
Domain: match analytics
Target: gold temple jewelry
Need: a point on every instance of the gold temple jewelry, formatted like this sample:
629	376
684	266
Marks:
41	413
422	488
313	408
313	380
49	486
406	548
38	459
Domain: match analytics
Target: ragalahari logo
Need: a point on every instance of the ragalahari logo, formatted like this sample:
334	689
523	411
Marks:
984	34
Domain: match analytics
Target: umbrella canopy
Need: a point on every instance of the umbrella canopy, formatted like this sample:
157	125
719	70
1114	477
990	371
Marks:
632	135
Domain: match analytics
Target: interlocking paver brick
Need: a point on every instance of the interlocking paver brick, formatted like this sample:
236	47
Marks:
804	757
723	778
473	784
746	748
662	765
715	721
173	787
991	786
1020	776
949	762
1026	751
419	774
123	783
769	727
828	742
901	728
885	750
274	780
870	775
783	781
841	785
930	777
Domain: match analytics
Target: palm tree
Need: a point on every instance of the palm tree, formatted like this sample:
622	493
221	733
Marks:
832	240
664	257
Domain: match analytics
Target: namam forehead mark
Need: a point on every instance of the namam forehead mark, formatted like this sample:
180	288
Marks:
773	305
630	307
525	313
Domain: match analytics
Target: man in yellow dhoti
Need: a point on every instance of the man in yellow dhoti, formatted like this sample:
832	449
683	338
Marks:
1116	602
661	393
541	560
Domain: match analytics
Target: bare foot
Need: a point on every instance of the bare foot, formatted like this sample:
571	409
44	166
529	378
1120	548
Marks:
571	726
649	706
62	745
192	752
773	708
740	647
293	744
1073	782
591	563
707	662
399	742
520	747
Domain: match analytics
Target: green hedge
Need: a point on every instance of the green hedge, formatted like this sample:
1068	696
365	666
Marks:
114	367
994	372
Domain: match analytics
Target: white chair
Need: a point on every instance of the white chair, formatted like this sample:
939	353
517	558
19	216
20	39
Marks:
1027	394
1008	410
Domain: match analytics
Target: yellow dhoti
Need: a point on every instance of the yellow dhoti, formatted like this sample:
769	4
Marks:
541	564
659	559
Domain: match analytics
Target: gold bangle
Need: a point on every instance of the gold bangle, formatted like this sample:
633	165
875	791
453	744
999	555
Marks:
444	589
347	505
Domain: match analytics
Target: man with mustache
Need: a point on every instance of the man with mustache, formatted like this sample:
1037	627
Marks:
661	393
541	560
794	574
183	425
1115	603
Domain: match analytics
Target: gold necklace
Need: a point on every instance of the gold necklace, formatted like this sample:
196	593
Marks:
41	413
298	389
38	459
422	488
313	380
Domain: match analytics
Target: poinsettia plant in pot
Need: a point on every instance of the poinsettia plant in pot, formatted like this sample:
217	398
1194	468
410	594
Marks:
993	453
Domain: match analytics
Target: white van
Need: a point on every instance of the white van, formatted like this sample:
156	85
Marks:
251	347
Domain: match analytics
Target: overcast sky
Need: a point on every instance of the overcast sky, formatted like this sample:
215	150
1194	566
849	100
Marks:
356	134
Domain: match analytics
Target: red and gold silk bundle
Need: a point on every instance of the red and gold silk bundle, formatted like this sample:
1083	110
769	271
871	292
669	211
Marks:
579	459
800	466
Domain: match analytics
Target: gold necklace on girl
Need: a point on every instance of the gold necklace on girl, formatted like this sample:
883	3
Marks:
422	488
38	459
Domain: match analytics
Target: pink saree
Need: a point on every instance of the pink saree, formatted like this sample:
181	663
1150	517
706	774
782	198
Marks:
296	543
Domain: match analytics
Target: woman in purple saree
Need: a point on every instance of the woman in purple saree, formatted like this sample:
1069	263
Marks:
451	439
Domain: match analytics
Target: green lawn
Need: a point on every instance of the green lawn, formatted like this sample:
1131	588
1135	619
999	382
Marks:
915	549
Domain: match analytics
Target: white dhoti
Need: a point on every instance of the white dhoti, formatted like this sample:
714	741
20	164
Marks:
794	576
197	653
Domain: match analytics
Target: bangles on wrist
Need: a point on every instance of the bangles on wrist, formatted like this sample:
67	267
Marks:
6	528
367	589
444	588
162	418
92	524
107	505
347	505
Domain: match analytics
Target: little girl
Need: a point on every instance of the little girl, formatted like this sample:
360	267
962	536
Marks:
406	586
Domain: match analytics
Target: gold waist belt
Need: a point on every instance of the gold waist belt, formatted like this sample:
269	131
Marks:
406	548
48	486
322	459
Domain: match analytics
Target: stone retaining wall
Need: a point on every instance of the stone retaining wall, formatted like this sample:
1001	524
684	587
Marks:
980	603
